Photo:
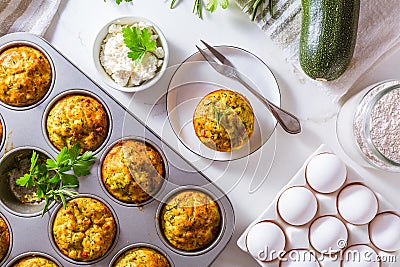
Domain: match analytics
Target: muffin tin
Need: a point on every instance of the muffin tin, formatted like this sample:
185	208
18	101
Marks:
138	225
325	216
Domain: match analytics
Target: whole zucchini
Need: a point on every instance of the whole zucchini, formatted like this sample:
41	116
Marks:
328	37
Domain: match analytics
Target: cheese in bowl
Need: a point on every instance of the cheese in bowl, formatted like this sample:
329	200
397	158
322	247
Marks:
130	53
25	76
224	120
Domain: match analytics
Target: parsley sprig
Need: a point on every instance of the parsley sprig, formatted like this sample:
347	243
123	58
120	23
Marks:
139	42
54	179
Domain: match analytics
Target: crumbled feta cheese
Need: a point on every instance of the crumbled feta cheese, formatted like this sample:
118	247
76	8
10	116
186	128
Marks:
123	70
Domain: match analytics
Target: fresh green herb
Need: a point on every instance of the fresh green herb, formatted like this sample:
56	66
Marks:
139	42
219	115
54	178
120	1
252	6
213	4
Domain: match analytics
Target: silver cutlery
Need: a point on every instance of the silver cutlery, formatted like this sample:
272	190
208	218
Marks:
222	65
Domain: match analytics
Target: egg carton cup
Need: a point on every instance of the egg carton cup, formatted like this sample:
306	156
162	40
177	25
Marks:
137	225
293	240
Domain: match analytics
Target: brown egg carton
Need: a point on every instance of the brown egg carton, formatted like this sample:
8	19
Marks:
24	129
297	241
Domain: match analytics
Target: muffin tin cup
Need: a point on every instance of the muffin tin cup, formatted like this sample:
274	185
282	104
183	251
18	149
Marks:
222	226
7	198
136	224
91	262
76	92
298	236
4	134
139	245
10	245
33	253
166	169
53	72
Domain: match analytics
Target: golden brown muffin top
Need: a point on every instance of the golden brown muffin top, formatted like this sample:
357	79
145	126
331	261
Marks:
85	229
133	171
35	261
190	220
25	76
79	119
224	120
142	256
4	238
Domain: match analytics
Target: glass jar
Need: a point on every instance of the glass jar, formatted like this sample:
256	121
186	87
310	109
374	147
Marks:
368	126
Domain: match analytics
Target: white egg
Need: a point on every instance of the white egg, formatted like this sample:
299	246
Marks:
326	173
384	231
297	205
265	241
328	235
357	204
360	256
299	258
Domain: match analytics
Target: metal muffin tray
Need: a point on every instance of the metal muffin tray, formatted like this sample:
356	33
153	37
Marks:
137	225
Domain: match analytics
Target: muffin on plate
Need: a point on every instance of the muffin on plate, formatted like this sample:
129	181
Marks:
142	256
4	238
84	230
25	76
77	118
224	120
35	261
190	220
133	171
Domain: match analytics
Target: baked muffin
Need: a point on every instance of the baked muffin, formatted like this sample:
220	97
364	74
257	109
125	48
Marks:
142	256
77	119
190	220
224	120
4	238
84	230
35	261
133	171
25	76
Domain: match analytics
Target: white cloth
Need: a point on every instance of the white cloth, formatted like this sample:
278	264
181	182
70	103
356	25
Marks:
32	16
378	33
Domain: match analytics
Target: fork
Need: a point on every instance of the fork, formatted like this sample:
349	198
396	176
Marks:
222	65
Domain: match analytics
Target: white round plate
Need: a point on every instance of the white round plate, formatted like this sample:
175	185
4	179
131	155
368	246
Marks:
195	78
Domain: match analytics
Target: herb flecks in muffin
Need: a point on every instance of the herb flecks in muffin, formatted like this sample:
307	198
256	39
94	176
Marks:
33	261
77	118
133	171
142	256
191	220
25	76
54	179
223	120
85	229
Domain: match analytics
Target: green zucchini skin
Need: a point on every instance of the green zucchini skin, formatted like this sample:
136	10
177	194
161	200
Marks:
328	37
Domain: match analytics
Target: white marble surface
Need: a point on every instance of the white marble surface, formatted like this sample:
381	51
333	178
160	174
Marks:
73	32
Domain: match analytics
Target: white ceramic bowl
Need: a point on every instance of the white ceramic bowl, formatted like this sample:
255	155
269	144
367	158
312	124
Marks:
106	77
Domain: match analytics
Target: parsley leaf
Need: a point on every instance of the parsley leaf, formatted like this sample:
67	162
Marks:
54	179
139	42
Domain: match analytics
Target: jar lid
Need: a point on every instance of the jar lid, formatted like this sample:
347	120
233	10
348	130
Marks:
382	125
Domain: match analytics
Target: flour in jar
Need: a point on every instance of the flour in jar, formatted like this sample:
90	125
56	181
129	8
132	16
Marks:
385	125
122	69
